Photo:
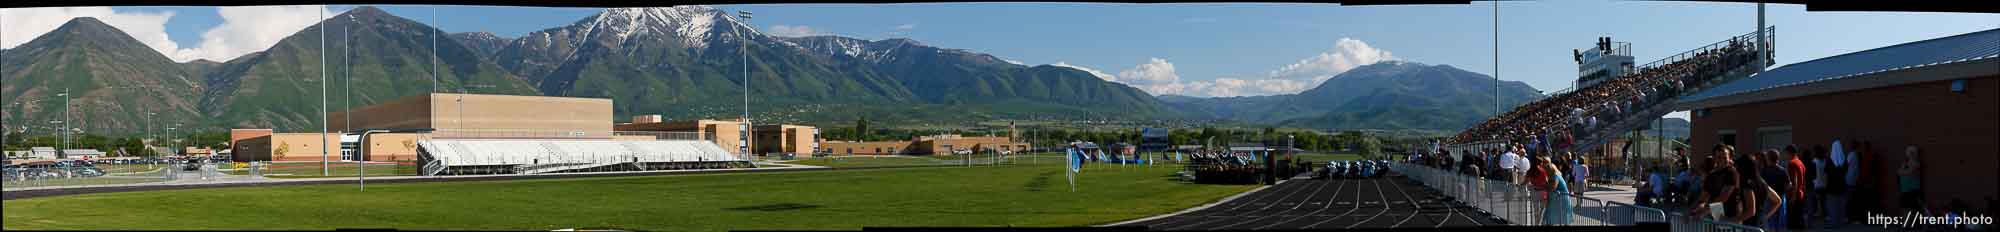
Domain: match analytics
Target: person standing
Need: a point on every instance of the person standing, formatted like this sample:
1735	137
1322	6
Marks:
1821	162
1508	167
1796	198
1718	185
1558	211
1779	179
1908	181
1582	173
1836	185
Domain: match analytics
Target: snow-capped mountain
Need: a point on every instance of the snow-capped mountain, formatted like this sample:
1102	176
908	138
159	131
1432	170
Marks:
624	30
694	56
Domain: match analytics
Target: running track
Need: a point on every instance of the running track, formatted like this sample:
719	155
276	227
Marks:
1301	203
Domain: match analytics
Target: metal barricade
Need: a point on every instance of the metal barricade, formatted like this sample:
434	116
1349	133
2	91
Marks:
1519	206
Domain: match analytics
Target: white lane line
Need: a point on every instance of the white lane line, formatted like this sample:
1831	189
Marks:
1302	202
1385	205
1418	209
1323	207
1238	204
1266	207
1197	208
1233	202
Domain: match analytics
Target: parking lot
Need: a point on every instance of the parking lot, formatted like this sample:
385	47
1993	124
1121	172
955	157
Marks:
1319	203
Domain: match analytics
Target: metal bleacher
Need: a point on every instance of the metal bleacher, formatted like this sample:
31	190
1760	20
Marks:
1641	115
532	156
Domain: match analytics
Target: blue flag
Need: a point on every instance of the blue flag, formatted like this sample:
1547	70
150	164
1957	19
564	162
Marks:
1075	161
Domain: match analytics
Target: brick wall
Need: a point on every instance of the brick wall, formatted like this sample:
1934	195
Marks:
1958	132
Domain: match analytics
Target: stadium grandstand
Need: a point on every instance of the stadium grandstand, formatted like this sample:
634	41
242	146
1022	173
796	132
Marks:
505	156
1581	118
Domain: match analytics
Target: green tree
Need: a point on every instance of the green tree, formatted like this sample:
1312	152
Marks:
1371	147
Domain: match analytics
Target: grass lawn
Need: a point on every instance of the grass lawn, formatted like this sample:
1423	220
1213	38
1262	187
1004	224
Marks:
340	169
1016	195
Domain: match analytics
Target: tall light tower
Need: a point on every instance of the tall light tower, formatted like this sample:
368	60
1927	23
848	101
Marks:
745	50
324	164
149	132
347	71
65	122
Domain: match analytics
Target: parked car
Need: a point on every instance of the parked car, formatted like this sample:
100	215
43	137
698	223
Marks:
191	165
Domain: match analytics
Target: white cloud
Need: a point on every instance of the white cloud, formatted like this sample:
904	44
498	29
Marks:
243	30
1093	72
1154	71
24	24
906	27
1346	54
793	31
247	29
1159	77
1015	62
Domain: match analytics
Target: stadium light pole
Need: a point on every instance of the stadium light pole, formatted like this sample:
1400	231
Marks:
1496	59
324	164
65	123
434	49
347	61
744	48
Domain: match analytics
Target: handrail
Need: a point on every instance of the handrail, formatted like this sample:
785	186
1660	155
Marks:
1678	57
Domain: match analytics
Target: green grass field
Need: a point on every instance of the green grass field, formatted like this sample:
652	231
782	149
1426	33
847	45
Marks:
311	170
1008	195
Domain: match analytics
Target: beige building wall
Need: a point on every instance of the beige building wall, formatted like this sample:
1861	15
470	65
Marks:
529	116
778	139
724	133
303	147
867	148
392	146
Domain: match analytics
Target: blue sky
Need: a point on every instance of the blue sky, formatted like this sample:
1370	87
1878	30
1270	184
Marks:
1212	49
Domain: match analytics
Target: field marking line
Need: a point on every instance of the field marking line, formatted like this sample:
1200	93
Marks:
1385	205
1302	202
1413	203
1329	205
1294	191
1197	208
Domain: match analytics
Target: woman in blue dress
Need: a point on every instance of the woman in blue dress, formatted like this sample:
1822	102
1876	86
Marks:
1559	211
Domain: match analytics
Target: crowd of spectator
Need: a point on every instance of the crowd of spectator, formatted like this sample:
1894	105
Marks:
1795	187
1560	119
1792	188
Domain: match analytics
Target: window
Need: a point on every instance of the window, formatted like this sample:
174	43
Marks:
1725	137
1773	137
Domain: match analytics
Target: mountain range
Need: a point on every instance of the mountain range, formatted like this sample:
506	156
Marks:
1383	95
681	62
